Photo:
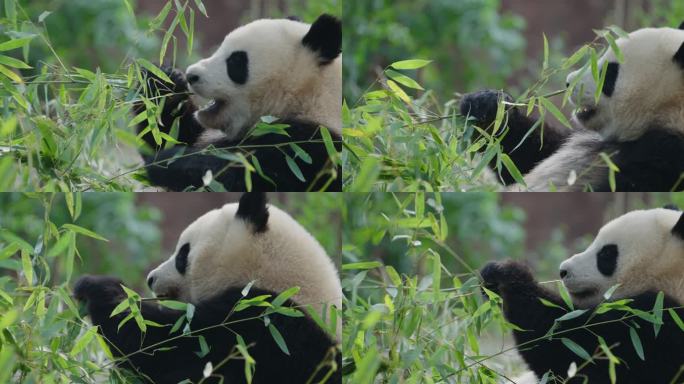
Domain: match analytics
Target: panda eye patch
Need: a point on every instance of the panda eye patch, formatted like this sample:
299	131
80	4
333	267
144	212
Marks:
606	259
611	79
236	65
182	258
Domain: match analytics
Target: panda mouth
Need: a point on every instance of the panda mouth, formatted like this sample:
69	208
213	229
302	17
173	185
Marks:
585	113
213	107
583	294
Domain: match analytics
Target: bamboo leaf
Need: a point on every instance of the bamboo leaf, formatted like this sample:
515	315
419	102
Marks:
410	64
278	338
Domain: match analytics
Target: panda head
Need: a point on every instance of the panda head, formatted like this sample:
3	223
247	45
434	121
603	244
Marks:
272	67
645	89
641	250
239	243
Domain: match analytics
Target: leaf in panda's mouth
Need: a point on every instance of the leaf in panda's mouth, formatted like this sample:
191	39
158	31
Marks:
214	106
584	113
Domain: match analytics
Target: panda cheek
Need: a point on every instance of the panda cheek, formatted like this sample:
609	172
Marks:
606	259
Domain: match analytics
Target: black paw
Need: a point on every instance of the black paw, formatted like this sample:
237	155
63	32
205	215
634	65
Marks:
498	275
99	288
482	105
157	86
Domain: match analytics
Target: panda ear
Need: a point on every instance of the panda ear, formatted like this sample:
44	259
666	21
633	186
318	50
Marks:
252	208
325	38
681	26
679	56
672	207
678	229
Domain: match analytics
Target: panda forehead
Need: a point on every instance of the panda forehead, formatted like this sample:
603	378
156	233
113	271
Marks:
208	225
264	34
651	44
636	226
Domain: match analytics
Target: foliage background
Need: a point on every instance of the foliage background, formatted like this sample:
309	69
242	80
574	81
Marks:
413	308
69	75
403	128
48	240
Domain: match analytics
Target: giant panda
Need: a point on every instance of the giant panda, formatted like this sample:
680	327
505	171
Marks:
239	251
638	122
280	68
642	253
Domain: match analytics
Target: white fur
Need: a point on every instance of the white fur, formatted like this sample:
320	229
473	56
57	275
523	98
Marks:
650	257
225	252
285	79
649	88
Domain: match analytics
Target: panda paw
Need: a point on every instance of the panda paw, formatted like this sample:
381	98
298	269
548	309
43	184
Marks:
497	276
98	288
482	105
155	85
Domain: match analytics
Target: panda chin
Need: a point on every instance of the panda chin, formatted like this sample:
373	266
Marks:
583	296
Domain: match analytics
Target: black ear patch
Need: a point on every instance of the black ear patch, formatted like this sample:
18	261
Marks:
252	208
182	258
679	57
678	229
672	207
237	65
325	38
681	26
606	259
611	79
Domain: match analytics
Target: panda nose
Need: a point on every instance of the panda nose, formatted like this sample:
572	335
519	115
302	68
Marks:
192	78
150	281
563	273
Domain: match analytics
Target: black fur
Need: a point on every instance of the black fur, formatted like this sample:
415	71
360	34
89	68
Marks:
672	207
325	38
681	26
182	167
611	79
181	259
542	143
237	65
252	208
679	56
653	162
521	293
606	259
678	229
308	345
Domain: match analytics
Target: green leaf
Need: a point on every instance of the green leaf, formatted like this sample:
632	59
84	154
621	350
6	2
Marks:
16	43
546	53
177	305
27	267
403	79
154	69
294	168
361	265
83	341
512	169
572	315
301	153
658	312
124	305
83	231
14	63
576	348
201	7
204	347
549	304
676	318
410	64
284	295
549	106
614	47
636	342
278	338
565	296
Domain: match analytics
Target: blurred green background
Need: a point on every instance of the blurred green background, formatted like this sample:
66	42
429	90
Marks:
541	228
481	43
142	229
